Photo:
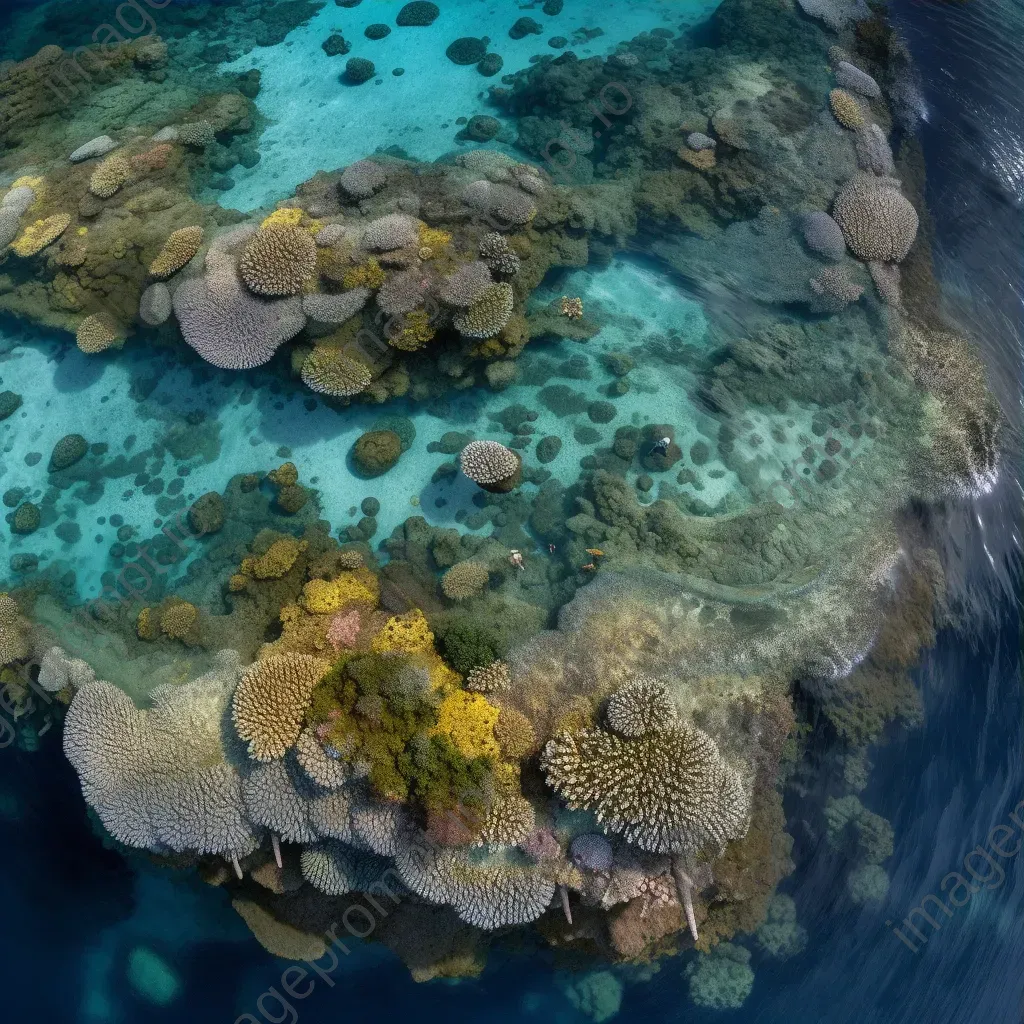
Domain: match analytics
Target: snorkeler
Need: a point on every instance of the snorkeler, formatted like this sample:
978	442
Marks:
660	447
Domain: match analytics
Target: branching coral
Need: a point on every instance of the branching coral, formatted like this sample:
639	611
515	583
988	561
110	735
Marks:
180	247
108	178
496	254
334	309
642	706
877	220
58	671
467	284
847	109
274	802
489	314
278	261
270	703
392	231
667	792
492	678
491	465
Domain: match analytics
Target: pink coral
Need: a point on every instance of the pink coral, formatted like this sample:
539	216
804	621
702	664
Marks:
344	629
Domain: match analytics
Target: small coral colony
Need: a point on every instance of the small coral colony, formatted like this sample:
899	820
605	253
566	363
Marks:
576	719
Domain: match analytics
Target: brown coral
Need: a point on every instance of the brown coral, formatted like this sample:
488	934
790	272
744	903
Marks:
177	619
275	561
13	631
702	159
278	260
179	248
464	580
847	109
271	700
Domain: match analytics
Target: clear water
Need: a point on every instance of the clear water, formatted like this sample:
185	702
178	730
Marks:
94	936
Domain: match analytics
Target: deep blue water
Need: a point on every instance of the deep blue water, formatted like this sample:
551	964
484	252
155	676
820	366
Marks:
943	785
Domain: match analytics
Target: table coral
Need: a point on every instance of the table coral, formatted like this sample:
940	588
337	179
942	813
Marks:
97	333
271	701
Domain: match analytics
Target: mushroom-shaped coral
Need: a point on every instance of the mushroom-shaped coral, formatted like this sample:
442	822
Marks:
39	235
464	580
667	792
13	631
97	333
502	203
642	706
325	771
877	220
488	314
271	701
278	260
180	247
492	466
108	178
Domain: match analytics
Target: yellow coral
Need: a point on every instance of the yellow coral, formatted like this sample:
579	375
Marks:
179	248
178	619
468	720
847	109
278	559
323	596
702	159
408	633
145	625
97	333
415	333
286	475
365	275
42	233
237	583
286	217
29	181
432	239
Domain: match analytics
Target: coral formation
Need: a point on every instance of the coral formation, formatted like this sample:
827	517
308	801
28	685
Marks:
491	465
180	247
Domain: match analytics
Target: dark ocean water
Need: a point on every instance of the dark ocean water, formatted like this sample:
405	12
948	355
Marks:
72	910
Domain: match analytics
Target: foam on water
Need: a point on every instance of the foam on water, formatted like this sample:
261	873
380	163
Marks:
318	122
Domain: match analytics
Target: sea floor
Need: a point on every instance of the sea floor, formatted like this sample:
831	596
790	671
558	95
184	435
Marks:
199	428
318	122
